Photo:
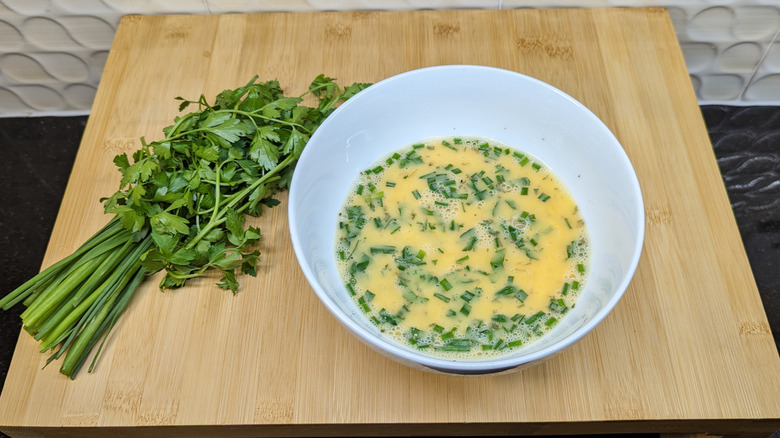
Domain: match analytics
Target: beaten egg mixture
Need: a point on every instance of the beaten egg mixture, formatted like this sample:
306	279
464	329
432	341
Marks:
462	247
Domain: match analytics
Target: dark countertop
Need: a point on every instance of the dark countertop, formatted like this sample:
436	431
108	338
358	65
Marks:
38	154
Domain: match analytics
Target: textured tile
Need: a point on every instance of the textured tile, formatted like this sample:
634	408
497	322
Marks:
50	43
45	33
40	98
765	85
720	87
765	88
79	96
223	6
715	24
28	7
84	7
24	69
248	6
89	32
10	37
699	57
757	23
740	32
741	58
157	6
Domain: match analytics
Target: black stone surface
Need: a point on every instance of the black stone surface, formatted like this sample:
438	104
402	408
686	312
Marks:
37	157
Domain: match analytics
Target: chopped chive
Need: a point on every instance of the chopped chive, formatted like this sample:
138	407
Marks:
438	329
533	318
377	169
524	191
565	289
498	259
507	290
418	146
427	212
551	322
544	197
457	140
515	343
567	222
558	305
457	345
384	249
390	184
447	144
575	285
462	259
363	304
580	268
521	295
410	296
416	194
536	166
359	190
445	284
466	309
385	316
467	296
444	298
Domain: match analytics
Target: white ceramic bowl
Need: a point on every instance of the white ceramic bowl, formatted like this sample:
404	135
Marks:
501	105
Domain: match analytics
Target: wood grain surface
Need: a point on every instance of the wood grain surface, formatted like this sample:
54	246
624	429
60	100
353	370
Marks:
688	348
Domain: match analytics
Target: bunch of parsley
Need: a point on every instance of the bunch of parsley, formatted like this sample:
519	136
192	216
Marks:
180	208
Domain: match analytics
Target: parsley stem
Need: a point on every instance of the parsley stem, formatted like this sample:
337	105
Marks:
218	216
270	119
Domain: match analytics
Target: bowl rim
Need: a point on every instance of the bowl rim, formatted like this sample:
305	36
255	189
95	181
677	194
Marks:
475	366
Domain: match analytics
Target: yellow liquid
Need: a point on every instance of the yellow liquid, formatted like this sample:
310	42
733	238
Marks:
462	247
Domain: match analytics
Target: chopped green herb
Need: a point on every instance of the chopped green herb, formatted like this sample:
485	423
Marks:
386	249
444	298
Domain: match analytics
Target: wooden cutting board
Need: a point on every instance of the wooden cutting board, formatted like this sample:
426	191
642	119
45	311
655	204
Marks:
688	349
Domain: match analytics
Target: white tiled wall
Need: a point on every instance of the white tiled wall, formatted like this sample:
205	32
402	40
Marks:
52	52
